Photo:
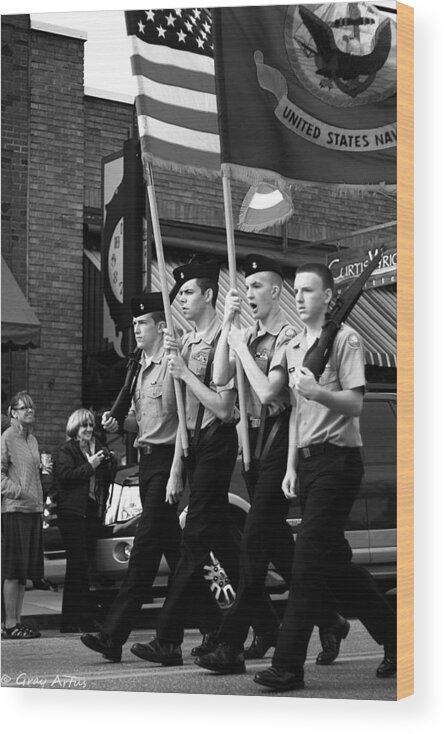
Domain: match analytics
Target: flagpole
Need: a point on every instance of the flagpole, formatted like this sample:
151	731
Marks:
164	290
226	184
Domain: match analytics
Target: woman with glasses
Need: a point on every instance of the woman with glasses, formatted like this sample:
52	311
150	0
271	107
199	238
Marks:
84	470
22	507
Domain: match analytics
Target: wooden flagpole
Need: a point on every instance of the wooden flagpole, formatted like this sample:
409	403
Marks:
226	184
164	290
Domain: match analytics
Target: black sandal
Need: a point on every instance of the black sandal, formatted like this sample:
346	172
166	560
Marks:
20	632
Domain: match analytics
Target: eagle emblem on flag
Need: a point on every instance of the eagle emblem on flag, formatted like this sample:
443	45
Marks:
342	50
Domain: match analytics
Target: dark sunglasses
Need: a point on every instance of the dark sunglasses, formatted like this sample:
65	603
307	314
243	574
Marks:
87	425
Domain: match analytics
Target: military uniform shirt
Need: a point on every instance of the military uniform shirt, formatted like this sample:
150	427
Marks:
345	370
259	344
154	405
195	351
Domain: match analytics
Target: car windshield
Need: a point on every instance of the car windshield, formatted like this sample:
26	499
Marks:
123	504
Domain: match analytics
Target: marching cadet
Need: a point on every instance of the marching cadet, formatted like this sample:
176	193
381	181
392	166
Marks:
210	421
325	465
154	414
267	536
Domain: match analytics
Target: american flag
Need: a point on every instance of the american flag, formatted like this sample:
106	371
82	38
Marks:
172	61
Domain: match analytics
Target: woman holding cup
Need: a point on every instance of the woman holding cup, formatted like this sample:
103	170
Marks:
22	507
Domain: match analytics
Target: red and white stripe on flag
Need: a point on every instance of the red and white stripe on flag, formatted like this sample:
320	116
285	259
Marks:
263	206
172	62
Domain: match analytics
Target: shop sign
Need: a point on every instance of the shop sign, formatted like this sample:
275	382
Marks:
346	267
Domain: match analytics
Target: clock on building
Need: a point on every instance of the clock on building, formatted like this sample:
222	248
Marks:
115	261
122	235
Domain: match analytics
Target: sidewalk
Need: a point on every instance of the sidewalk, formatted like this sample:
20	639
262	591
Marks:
42	609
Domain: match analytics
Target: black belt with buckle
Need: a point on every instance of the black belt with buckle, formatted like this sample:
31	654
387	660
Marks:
256	422
317	449
146	449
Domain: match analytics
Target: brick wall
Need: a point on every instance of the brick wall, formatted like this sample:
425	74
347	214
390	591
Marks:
55	227
15	159
107	125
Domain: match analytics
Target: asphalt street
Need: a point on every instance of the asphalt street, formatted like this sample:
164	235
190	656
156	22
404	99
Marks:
57	661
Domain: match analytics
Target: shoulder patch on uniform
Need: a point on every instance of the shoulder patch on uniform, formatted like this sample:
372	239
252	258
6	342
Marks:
354	341
200	357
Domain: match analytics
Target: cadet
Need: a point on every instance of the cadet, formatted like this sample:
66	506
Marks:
267	537
213	447
154	414
325	462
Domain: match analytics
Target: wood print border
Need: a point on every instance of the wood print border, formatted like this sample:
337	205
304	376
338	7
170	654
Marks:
405	351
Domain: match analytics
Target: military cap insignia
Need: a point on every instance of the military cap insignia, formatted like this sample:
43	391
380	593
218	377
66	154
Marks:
354	341
254	265
141	306
182	275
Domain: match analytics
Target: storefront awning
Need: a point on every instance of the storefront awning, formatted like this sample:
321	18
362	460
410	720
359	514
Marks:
20	325
375	318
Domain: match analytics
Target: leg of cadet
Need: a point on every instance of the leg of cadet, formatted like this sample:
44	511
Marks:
158	532
330	485
209	499
265	527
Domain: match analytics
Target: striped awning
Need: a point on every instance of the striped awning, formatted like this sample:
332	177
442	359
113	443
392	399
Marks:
374	316
20	325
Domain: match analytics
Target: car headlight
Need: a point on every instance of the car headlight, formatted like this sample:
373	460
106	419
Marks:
122	551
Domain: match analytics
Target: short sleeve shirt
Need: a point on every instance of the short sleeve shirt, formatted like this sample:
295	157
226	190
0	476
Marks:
260	344
154	403
345	370
196	350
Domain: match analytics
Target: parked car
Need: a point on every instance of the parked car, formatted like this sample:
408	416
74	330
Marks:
371	528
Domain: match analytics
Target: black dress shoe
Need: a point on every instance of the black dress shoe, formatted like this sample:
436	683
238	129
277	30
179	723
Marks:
90	625
279	679
388	666
67	629
225	659
330	641
209	643
260	645
166	653
103	644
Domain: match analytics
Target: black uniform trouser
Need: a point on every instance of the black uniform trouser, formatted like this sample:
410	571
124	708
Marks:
207	527
79	535
158	534
329	484
266	538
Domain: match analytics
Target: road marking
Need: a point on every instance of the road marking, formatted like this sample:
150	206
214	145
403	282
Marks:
190	668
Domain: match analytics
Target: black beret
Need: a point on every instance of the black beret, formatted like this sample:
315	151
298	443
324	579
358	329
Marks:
194	269
146	303
260	264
